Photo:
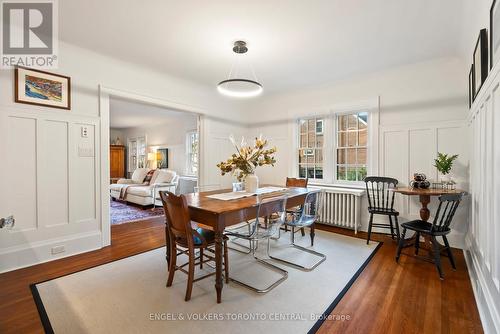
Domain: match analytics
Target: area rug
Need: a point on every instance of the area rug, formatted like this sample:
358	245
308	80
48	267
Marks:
129	295
125	213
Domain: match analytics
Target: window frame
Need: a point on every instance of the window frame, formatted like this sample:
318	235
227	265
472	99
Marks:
334	120
317	118
189	153
330	138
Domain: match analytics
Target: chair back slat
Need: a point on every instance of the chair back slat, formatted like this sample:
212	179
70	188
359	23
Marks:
379	192
177	216
448	205
296	182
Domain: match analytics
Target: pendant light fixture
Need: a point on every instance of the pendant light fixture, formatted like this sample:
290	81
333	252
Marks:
236	86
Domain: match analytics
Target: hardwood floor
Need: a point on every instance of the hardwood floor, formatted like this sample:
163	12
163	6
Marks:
386	298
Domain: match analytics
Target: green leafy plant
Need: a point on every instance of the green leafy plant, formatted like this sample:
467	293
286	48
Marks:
444	162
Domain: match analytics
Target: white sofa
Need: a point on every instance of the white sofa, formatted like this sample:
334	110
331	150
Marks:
162	180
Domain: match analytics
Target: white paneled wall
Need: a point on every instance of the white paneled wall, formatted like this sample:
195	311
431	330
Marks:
216	147
483	252
49	185
411	149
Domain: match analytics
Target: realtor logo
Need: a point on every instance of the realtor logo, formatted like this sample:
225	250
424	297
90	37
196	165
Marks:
29	34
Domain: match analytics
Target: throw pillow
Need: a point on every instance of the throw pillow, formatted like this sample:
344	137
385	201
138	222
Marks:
148	177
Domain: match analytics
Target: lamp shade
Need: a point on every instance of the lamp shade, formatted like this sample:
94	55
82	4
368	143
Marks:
151	156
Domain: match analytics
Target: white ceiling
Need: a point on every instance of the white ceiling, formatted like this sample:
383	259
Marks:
129	114
292	43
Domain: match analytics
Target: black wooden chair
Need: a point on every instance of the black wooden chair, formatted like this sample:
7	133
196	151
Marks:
440	226
381	202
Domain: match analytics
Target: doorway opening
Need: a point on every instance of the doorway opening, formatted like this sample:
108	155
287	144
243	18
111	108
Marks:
152	148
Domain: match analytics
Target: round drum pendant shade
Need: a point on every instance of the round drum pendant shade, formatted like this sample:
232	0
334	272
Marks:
239	87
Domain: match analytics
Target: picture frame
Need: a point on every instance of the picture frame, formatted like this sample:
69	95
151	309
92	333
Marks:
42	88
162	159
480	61
471	86
494	33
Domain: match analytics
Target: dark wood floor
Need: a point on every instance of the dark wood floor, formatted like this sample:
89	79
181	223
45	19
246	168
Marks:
386	298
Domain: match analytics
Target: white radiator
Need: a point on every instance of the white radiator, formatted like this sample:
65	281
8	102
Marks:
341	207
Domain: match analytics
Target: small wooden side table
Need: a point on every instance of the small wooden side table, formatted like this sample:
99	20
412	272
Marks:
425	198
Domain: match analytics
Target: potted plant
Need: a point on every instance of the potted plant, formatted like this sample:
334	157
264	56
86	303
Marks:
444	163
247	158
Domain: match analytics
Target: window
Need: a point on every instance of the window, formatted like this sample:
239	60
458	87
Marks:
311	148
334	148
192	153
351	146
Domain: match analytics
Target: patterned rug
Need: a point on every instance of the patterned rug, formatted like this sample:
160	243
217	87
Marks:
126	213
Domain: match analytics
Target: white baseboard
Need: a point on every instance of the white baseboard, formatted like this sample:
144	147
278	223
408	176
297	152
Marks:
490	316
35	253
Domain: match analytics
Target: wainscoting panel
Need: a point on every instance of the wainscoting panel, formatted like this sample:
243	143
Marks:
395	158
216	147
483	251
21	162
84	168
50	182
54	199
411	149
422	151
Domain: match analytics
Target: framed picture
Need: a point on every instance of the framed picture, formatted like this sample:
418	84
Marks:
480	61
471	86
162	158
494	32
42	88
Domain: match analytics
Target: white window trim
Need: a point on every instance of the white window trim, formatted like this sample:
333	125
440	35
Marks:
329	156
188	171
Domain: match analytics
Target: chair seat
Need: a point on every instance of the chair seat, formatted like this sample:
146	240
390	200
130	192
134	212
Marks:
424	227
208	235
383	211
307	220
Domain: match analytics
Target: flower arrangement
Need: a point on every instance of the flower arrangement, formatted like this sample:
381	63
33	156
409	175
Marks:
247	158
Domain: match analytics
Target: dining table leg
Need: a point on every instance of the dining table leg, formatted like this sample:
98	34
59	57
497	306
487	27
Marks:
219	283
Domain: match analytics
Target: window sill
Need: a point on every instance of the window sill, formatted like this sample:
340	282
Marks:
337	185
355	189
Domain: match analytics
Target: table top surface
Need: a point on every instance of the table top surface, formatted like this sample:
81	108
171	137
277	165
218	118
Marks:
429	192
217	206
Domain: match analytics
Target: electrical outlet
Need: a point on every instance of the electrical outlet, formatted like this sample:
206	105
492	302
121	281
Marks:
85	131
57	249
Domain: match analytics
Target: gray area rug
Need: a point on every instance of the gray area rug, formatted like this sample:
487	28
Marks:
129	295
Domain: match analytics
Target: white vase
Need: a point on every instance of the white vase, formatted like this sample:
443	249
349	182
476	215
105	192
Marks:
251	183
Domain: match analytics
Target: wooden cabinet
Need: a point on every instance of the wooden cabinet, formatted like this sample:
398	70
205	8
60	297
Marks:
117	161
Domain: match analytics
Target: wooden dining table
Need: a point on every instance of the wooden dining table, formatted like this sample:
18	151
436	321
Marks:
218	214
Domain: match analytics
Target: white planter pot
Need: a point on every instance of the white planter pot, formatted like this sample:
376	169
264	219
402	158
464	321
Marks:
251	183
445	178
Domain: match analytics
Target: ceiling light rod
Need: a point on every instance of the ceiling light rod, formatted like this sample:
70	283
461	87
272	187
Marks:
239	87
